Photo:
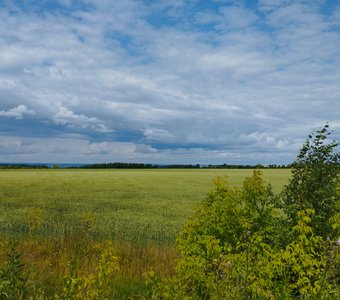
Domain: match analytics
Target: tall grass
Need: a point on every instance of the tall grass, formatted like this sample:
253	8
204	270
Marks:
62	217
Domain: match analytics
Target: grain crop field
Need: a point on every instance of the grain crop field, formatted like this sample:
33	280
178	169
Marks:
60	217
135	205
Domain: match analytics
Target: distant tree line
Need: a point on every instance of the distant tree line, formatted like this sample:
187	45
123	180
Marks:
121	165
258	166
22	166
197	166
224	166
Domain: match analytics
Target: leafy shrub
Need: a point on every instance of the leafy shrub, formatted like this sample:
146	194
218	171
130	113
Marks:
98	285
13	276
248	243
314	182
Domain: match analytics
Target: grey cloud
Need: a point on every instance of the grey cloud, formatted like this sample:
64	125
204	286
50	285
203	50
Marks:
70	149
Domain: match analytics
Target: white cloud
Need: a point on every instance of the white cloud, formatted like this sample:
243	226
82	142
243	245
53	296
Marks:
17	112
157	134
64	116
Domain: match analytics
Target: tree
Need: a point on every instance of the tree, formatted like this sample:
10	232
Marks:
314	182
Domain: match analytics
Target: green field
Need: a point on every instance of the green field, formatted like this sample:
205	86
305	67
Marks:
59	215
134	205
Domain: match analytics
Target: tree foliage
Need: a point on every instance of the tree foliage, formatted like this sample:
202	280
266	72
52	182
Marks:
248	243
314	182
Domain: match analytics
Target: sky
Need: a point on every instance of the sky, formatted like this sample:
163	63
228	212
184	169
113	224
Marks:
167	81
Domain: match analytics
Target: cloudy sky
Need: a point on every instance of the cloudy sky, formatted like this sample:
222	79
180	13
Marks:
167	81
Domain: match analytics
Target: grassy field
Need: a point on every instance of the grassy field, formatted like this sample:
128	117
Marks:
134	205
61	216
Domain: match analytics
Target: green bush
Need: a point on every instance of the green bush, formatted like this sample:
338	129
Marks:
99	285
247	243
314	182
13	276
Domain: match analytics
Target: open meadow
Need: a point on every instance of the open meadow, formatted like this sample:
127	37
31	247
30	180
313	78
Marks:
62	217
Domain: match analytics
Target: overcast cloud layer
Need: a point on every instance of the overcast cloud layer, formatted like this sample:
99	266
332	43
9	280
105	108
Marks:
168	81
